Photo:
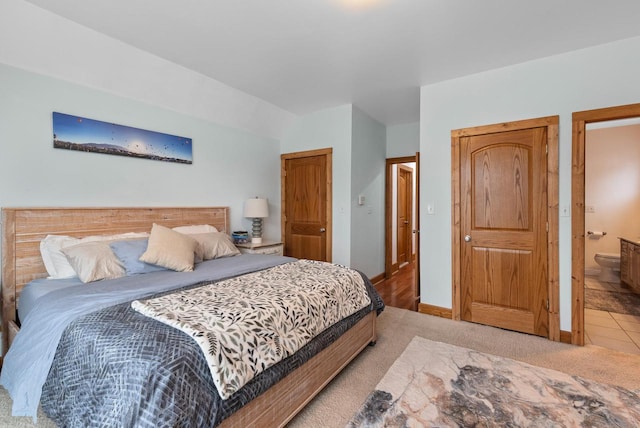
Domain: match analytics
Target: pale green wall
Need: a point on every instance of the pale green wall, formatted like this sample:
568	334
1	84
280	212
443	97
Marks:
228	165
367	179
35	39
320	130
597	77
359	148
403	140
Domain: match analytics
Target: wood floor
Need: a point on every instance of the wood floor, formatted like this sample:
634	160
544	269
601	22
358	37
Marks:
399	290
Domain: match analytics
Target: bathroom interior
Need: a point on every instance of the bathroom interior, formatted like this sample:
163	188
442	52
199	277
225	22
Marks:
612	217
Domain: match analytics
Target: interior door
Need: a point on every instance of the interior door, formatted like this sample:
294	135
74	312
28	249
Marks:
503	254
416	231
305	207
404	221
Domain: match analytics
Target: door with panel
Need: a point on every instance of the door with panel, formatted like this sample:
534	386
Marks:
503	254
306	204
404	220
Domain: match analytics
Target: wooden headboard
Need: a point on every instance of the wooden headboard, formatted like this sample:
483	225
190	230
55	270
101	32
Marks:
24	228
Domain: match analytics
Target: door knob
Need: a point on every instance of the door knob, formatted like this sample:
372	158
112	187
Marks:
322	230
406	222
467	238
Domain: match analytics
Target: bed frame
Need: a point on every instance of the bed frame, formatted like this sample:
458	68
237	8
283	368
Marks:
24	228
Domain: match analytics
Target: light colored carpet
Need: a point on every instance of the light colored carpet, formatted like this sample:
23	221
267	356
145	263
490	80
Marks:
342	398
337	403
442	385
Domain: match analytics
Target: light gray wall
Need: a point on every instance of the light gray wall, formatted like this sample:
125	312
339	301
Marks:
34	39
597	77
367	179
49	63
329	128
228	167
403	140
359	147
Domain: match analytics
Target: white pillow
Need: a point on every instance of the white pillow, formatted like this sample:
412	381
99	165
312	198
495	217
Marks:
56	262
198	228
170	249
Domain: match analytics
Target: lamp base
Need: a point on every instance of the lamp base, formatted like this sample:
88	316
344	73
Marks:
256	235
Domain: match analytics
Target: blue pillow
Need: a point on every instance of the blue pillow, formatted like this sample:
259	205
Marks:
129	252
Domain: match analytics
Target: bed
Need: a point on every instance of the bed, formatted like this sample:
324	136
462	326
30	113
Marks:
271	405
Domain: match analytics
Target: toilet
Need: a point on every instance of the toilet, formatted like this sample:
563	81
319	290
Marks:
609	266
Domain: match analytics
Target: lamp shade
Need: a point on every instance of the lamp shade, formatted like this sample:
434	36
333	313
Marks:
256	208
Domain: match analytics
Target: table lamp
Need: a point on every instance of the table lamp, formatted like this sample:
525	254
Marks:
257	209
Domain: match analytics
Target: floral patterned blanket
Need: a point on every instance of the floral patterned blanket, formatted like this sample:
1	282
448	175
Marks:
246	324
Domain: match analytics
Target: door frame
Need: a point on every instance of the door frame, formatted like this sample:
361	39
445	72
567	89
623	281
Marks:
328	154
551	123
409	259
579	121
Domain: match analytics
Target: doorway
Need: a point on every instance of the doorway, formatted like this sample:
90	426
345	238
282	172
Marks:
578	232
402	272
306	201
505	225
403	249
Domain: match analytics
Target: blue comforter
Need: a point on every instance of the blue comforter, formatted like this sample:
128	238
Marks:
29	359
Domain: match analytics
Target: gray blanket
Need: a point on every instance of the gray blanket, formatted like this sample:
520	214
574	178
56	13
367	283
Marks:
116	367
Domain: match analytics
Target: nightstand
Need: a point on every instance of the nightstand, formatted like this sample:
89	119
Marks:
266	247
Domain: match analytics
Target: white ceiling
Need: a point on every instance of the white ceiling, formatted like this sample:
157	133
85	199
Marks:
305	55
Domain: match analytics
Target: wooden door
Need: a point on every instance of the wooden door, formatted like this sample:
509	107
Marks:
503	211
404	220
626	253
416	231
635	268
306	205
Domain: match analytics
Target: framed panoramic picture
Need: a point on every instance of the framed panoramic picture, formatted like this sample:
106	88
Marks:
89	135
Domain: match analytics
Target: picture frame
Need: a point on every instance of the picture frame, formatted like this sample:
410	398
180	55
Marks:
72	132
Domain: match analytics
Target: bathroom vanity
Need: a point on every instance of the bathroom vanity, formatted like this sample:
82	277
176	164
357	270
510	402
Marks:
630	263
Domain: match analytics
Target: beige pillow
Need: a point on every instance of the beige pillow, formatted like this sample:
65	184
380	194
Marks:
93	261
197	228
214	245
56	262
170	249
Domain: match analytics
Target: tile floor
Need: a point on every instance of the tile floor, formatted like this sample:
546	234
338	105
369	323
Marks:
609	329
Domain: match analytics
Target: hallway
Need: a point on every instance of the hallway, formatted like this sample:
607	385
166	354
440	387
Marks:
398	291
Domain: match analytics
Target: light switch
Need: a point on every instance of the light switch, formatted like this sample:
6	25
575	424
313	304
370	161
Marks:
360	199
431	210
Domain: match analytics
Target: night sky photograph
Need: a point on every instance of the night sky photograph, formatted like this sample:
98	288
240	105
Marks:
82	134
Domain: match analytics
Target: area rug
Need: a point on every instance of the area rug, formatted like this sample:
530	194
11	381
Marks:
612	301
436	384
